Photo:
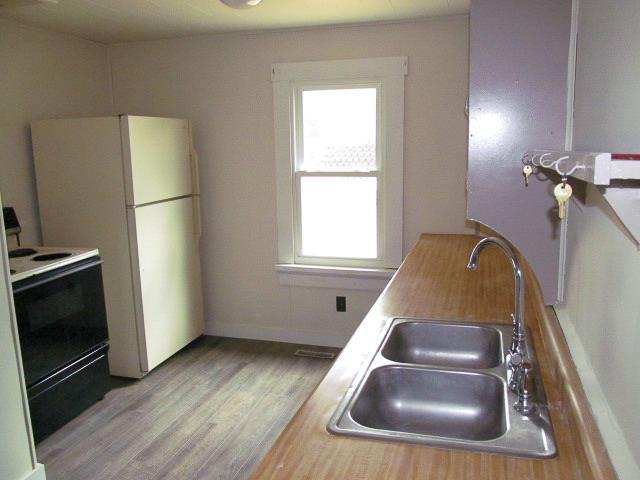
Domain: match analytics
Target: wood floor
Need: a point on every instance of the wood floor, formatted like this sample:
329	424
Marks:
210	412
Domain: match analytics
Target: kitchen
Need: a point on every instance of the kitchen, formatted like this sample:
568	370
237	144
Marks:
221	81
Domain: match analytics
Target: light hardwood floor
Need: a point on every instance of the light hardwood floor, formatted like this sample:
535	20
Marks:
210	412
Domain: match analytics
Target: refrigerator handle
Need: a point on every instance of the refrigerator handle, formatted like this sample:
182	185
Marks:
197	220
195	170
195	180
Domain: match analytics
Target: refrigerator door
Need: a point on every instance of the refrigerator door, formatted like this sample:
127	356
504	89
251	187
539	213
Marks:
157	158
167	283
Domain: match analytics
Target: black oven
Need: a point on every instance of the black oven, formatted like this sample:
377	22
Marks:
62	326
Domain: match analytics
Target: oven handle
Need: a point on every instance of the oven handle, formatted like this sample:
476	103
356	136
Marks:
44	278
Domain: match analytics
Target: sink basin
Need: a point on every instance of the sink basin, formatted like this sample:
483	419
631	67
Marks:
444	344
461	405
444	384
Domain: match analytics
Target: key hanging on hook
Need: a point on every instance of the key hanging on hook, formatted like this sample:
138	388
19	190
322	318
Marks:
527	170
562	192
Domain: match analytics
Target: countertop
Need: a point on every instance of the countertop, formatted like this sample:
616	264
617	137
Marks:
431	283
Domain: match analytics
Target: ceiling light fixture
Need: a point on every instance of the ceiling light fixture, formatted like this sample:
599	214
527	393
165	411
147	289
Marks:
241	4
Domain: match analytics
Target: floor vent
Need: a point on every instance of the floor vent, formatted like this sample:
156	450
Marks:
315	354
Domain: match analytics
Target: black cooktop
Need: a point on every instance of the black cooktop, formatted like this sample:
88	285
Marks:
51	256
22	252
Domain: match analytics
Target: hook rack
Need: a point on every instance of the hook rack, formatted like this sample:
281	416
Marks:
599	169
593	167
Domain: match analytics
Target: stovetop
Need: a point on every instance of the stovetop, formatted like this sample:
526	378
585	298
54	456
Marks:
28	261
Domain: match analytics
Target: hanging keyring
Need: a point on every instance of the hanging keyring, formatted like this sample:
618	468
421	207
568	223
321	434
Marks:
533	160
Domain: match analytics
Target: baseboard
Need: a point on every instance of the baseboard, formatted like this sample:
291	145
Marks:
256	332
618	449
37	473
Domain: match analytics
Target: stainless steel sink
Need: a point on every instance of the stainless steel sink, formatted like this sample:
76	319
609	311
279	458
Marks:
443	384
433	402
443	344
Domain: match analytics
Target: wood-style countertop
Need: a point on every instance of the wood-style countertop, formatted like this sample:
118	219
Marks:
434	283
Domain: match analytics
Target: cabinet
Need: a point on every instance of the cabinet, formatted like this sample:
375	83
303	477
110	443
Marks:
518	99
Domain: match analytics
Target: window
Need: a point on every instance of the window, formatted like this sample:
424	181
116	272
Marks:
339	154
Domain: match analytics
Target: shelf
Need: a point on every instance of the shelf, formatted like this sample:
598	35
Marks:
616	173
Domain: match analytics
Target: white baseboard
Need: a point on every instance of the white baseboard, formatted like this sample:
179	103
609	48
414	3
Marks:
254	332
619	452
37	473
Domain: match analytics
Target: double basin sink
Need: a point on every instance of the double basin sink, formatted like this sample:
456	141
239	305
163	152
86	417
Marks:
444	384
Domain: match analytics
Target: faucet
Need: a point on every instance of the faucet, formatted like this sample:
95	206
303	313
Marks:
520	379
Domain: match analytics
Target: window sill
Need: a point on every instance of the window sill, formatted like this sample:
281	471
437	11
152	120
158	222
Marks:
297	275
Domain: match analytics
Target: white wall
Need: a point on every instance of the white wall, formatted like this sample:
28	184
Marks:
17	453
601	317
44	75
223	84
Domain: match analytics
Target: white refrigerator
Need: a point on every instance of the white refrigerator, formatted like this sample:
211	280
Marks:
129	186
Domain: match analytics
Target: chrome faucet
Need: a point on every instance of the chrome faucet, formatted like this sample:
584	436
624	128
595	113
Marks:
519	366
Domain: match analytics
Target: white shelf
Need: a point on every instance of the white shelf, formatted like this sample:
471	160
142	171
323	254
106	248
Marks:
601	169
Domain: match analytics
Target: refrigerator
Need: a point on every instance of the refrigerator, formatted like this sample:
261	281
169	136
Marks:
128	185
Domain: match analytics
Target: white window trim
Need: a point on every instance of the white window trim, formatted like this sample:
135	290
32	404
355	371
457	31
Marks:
389	73
297	275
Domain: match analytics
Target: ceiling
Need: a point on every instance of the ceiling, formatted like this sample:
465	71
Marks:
113	21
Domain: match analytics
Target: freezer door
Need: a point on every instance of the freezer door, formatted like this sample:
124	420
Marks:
167	282
157	158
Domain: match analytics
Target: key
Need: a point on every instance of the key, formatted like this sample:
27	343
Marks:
562	193
527	170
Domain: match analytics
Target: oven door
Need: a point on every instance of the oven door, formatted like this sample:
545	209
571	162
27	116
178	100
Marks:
61	316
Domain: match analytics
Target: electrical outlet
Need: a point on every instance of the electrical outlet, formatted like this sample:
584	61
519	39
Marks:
341	304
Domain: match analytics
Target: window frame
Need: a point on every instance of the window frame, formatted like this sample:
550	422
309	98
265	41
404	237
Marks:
298	89
289	81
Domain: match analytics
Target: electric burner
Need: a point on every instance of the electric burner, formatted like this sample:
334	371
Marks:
50	256
22	252
28	261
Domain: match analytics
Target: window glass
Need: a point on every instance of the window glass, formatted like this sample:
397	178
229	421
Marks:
339	130
339	217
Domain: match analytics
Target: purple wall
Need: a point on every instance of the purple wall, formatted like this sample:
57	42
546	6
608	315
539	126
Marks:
517	102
